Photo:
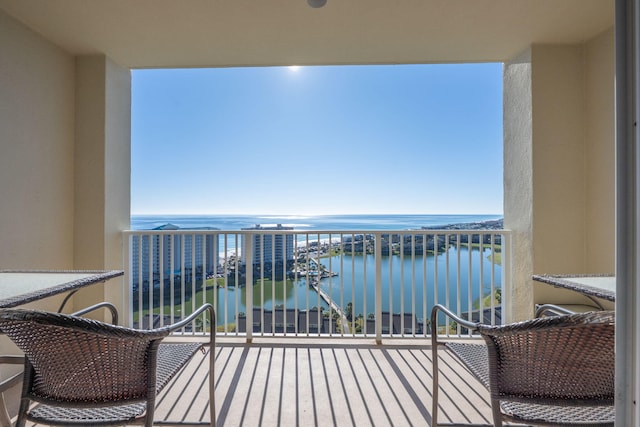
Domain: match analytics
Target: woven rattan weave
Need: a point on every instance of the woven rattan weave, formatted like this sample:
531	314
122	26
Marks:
85	372
555	371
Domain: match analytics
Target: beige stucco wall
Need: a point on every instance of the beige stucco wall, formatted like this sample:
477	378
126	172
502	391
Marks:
518	186
558	159
600	150
117	175
65	163
560	210
102	164
36	165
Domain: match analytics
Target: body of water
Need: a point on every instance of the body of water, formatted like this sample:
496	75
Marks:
307	223
406	286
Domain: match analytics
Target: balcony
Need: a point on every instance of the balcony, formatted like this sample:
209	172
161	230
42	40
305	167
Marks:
560	162
319	367
299	362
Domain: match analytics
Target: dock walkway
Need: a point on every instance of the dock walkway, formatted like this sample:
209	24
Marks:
335	307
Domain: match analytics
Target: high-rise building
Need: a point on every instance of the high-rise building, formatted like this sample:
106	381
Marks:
173	253
268	247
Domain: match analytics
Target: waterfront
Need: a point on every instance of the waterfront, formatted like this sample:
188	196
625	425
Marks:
407	285
414	274
308	223
304	224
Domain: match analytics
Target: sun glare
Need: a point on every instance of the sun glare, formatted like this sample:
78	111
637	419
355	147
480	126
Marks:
294	68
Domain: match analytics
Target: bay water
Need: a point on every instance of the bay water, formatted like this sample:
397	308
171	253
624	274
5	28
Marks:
407	286
305	223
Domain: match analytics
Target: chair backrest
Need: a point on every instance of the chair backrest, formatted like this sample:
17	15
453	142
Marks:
562	358
77	360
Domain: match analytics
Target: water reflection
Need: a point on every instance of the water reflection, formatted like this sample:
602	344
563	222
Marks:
407	285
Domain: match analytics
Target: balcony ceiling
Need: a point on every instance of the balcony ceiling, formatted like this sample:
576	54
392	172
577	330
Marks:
197	33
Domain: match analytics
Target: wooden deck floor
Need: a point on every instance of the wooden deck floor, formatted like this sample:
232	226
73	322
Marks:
299	382
325	383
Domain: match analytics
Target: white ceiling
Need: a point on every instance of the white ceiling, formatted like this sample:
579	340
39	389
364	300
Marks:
196	33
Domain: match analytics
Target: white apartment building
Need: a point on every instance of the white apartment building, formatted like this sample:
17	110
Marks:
268	247
173	253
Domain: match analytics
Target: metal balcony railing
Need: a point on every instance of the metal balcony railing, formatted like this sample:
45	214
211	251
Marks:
281	282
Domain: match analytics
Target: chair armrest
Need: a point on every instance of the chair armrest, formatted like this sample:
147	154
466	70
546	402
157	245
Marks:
472	326
463	322
184	322
553	309
112	308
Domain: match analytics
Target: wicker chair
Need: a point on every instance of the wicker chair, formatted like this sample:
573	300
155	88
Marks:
543	310
88	373
556	370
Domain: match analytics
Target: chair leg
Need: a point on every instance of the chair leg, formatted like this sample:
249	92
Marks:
22	412
497	414
212	382
212	366
434	404
25	402
151	406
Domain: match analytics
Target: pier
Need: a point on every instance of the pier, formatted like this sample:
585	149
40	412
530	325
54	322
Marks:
345	322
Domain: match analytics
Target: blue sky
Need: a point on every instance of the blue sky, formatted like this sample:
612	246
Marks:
388	139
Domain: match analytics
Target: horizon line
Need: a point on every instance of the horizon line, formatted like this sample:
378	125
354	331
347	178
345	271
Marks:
312	215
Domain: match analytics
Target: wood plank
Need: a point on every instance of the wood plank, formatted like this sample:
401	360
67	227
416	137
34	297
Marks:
323	382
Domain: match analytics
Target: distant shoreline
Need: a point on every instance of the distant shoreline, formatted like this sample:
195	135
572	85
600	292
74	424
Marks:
323	222
496	224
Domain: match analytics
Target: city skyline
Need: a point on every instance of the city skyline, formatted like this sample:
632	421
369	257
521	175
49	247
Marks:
411	139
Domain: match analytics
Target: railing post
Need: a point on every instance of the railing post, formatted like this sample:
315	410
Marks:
507	286
247	250
127	300
378	294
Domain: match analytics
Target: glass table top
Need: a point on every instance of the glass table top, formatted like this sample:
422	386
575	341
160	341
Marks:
19	287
